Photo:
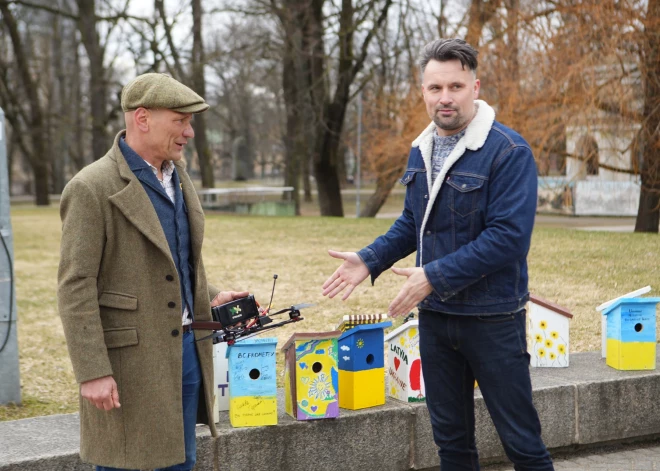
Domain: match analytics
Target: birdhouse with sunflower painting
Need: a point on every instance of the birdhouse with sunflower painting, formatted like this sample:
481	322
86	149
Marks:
252	383
362	366
311	375
631	338
404	366
547	333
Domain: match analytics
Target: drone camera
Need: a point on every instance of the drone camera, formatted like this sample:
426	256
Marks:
236	311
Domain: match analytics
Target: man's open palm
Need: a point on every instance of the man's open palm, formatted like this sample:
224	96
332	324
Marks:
350	273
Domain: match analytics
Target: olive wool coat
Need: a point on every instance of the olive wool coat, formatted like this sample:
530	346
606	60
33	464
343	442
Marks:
120	302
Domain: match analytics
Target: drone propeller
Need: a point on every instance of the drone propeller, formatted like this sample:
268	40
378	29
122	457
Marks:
297	307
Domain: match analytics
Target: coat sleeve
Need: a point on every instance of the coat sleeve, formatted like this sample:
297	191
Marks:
81	251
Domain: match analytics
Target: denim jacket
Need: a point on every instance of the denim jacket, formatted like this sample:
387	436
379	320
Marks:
472	231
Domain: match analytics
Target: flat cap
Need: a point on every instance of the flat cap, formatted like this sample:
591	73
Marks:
160	91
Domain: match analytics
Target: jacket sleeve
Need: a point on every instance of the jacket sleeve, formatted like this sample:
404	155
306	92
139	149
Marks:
82	244
399	242
510	211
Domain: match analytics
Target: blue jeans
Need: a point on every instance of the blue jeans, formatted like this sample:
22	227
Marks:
456	350
191	380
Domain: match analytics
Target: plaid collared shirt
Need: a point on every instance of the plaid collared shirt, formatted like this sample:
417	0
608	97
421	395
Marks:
167	183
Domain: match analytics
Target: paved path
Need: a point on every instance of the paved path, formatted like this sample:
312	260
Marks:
628	458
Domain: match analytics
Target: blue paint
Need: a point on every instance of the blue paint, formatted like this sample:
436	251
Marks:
256	357
632	319
334	374
366	347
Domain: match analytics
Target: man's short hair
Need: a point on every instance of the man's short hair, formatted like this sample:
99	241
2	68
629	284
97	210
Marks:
444	50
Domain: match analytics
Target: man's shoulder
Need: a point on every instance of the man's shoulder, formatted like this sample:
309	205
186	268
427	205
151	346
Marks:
99	175
504	134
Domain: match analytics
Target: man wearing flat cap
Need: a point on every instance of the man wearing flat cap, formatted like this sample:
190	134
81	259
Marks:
131	281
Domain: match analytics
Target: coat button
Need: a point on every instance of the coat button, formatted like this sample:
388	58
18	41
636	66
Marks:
428	232
175	333
169	278
171	304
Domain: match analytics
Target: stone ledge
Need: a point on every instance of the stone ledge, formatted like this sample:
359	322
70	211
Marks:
585	404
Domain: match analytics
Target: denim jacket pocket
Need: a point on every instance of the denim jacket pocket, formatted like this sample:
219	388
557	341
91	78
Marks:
409	176
464	200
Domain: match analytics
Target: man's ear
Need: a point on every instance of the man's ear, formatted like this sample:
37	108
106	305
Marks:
142	119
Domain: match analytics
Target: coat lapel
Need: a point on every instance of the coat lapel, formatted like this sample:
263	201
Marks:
135	205
195	213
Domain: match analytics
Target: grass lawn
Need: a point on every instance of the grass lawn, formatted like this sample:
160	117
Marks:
578	270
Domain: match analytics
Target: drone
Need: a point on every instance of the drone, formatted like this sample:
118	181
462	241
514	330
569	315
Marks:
243	318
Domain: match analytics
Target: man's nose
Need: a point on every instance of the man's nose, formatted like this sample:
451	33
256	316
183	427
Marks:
445	97
189	132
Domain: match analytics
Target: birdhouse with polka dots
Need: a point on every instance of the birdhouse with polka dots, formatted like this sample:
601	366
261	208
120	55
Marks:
362	366
547	333
404	366
252	383
311	375
631	338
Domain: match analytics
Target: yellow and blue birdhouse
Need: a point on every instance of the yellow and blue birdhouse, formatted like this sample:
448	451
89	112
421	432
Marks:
631	339
362	366
311	375
252	383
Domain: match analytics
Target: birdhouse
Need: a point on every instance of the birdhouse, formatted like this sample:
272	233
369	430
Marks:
404	371
311	376
547	333
221	379
252	383
352	320
362	366
631	338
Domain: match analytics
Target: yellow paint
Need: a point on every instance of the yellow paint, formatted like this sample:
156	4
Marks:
360	389
630	355
288	399
315	390
252	411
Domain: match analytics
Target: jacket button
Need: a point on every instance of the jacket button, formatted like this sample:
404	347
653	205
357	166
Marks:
428	232
171	304
175	332
169	278
426	197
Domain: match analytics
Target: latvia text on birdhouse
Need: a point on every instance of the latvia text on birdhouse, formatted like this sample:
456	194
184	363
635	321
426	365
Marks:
404	371
631	339
547	333
252	383
221	379
311	376
362	366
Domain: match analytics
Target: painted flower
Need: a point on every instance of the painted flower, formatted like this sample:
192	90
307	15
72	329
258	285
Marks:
360	343
561	349
552	355
402	341
541	352
554	334
538	337
320	387
543	325
548	343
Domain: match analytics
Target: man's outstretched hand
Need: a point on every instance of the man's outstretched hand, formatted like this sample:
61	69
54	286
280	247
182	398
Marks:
413	292
350	273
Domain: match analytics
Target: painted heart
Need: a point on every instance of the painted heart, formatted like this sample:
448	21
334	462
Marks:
314	408
397	362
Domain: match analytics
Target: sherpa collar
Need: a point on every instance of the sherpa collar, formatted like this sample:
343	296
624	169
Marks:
474	138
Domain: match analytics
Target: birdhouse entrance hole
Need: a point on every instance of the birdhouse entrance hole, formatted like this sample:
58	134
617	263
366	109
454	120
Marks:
316	367
370	359
638	327
255	373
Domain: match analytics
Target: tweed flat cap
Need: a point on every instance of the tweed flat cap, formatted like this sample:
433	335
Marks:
160	91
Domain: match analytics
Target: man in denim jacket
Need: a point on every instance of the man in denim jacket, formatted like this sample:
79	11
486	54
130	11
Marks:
469	212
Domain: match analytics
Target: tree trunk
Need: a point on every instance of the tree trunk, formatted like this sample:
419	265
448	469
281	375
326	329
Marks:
292	160
97	82
648	213
481	11
378	197
199	83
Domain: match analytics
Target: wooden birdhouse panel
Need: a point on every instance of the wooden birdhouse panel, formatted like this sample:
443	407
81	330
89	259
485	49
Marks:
252	383
221	379
311	376
547	335
405	381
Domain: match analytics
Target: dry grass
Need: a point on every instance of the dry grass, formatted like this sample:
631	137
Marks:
578	270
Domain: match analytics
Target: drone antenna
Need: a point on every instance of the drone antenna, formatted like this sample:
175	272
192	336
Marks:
272	293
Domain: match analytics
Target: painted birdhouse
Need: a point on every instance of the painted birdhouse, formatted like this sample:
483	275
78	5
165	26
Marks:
362	366
404	371
631	338
311	375
547	333
252	383
221	379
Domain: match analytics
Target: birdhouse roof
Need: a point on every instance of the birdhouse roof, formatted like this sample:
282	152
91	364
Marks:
364	327
618	302
402	328
552	306
310	336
